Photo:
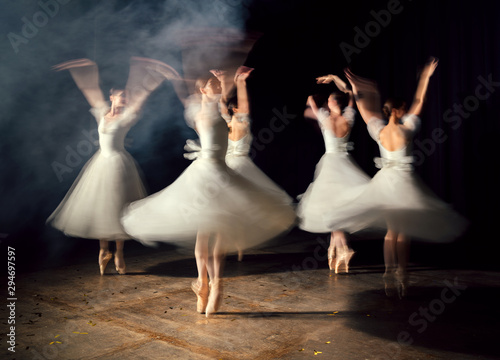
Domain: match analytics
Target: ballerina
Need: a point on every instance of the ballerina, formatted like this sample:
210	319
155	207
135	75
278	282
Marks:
337	177
111	178
396	199
209	254
208	201
236	111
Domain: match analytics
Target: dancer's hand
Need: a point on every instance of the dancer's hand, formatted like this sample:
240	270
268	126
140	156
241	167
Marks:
219	74
242	73
430	67
71	64
312	104
366	94
326	79
153	72
423	83
83	71
360	84
86	76
145	76
155	66
310	101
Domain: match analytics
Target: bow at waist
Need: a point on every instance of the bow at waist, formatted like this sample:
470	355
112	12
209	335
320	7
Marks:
402	164
195	151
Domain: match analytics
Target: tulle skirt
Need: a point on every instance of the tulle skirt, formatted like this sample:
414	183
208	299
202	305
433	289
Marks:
211	198
400	201
244	166
92	207
337	180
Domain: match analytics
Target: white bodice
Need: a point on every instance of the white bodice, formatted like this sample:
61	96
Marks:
112	134
334	144
400	159
213	139
212	131
239	147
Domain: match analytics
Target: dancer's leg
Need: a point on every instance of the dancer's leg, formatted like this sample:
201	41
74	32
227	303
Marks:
403	251
340	241
390	260
202	257
342	250
119	259
219	256
104	255
331	251
200	287
104	245
390	250
215	273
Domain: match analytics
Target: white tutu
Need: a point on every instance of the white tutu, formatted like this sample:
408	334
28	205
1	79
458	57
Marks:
397	199
209	197
400	201
237	159
109	180
244	166
337	179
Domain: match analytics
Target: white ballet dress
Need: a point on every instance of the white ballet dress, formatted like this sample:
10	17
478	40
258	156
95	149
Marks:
111	179
209	197
337	179
397	199
237	159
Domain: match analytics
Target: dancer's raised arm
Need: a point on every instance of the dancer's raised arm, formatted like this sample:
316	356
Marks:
418	100
342	86
225	84
313	105
366	95
241	86
144	77
86	76
325	79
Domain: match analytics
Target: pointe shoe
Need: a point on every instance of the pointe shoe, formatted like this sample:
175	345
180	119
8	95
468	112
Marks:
201	295
331	258
349	254
389	283
120	263
401	280
344	258
104	257
215	297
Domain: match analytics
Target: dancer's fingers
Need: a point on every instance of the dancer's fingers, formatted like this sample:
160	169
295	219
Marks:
71	64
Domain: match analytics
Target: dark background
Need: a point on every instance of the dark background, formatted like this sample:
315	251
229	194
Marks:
43	113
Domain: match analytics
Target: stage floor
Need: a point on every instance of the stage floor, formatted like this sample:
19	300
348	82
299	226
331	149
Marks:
281	302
